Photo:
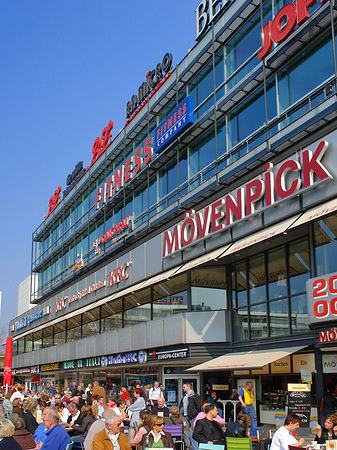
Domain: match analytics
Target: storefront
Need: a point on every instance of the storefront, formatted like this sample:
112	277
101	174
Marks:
193	233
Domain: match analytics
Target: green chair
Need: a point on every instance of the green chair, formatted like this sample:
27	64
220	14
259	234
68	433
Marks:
69	446
239	444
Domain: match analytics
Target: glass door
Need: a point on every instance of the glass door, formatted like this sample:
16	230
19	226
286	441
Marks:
173	385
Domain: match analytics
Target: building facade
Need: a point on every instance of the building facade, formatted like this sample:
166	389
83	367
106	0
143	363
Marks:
194	232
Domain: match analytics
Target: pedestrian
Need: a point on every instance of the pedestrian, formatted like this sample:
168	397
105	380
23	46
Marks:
73	389
190	404
160	409
246	397
125	393
98	407
154	393
87	419
137	406
283	437
98	390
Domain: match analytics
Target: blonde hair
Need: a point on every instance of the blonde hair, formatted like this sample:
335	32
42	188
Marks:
6	428
30	404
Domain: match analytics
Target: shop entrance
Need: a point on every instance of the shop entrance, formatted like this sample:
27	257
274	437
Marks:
173	385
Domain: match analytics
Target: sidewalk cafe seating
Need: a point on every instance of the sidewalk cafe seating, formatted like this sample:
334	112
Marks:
211	447
238	444
176	432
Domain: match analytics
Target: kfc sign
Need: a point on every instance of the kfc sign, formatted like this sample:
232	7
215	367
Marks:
322	302
283	25
119	274
283	181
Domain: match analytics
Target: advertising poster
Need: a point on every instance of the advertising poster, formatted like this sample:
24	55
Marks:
299	402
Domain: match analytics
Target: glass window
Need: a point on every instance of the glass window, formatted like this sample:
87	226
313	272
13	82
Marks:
37	344
278	317
60	333
239	285
135	311
240	325
258	321
29	343
316	61
325	235
299	266
201	87
47	337
257	279
168	180
21	346
277	273
208	288
111	315
299	314
74	328
90	324
202	154
170	296
141	202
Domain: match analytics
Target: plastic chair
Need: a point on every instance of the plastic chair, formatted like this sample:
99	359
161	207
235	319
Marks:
211	447
239	444
69	446
176	432
263	434
78	445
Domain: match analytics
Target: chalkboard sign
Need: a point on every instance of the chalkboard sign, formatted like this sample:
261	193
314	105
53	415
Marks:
299	403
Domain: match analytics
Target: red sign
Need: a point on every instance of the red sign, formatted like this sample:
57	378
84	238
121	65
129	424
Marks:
54	200
102	142
116	275
284	23
8	362
222	213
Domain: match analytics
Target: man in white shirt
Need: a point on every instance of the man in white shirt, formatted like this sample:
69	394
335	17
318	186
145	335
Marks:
154	393
283	436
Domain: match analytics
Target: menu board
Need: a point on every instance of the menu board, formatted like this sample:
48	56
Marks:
299	403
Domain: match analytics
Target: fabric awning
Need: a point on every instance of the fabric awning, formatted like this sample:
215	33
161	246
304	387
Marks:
316	213
254	359
211	256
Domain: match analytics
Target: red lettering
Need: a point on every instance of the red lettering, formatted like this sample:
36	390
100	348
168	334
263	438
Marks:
319	288
97	198
278	32
148	150
203	222
235	207
321	309
280	184
302	9
119	178
184	107
332	288
138	160
217	215
106	135
333	304
254	192
171	241
266	41
312	164
128	169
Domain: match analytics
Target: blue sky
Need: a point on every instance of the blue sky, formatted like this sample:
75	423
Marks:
67	68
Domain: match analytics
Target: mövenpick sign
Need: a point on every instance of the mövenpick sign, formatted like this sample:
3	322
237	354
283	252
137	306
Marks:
222	213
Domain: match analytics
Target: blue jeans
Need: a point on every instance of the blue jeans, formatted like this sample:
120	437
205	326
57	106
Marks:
251	411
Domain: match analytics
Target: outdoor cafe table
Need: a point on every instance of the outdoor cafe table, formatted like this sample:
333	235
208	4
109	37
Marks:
224	402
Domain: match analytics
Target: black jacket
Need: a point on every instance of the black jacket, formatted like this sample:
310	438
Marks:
9	444
87	421
324	436
236	429
166	439
193	406
204	431
30	422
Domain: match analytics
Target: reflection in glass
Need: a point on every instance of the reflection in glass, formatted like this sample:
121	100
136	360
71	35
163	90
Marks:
299	314
299	266
208	288
239	285
47	337
60	333
111	315
170	297
257	280
325	237
258	321
240	325
277	273
21	345
29	343
278	317
37	344
74	328
90	324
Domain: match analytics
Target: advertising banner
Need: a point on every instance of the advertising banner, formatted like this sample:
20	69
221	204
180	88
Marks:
299	403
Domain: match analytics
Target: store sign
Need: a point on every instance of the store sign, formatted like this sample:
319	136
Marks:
54	201
206	12
174	124
102	142
281	365
27	320
171	354
283	25
62	303
50	367
303	361
299	403
224	212
118	274
74	177
133	357
21	371
124	174
35	369
115	233
322	303
329	363
154	79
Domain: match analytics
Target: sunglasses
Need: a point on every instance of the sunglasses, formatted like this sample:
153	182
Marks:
159	424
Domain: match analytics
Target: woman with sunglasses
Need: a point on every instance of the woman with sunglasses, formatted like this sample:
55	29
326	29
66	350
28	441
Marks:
157	437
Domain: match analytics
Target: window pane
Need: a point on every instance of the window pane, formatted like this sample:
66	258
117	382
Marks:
240	325
29	343
37	340
278	317
208	289
239	285
257	280
111	315
60	333
137	307
47	337
299	266
299	314
90	326
258	321
325	233
74	328
277	274
170	297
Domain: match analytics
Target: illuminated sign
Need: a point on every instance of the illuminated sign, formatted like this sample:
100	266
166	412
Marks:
154	79
206	12
102	142
74	177
134	357
124	174
27	320
284	23
119	274
54	200
49	367
222	213
115	233
174	124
